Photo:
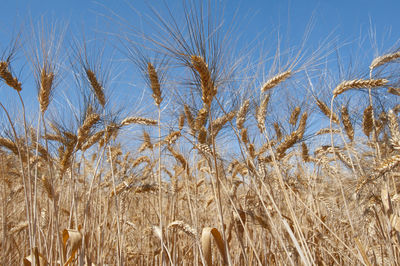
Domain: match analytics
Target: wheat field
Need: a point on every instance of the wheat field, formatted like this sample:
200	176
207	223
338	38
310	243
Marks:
217	170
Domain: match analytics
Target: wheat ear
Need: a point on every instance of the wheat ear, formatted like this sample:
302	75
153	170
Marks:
97	88
302	126
327	130
272	82
278	132
154	84
348	127
9	144
146	142
387	165
394	91
189	118
46	83
181	121
262	113
381	60
140	160
172	137
241	115
294	115
201	118
358	83
179	157
291	139
218	123
202	136
138	120
183	227
326	111
207	85
367	121
394	129
83	131
8	77
92	140
66	156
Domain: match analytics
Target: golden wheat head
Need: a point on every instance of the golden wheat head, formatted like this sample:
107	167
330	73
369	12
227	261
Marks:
357	84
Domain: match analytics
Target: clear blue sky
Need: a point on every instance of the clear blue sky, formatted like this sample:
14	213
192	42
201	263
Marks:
346	20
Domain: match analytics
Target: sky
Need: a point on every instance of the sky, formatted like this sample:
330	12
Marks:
346	18
352	24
